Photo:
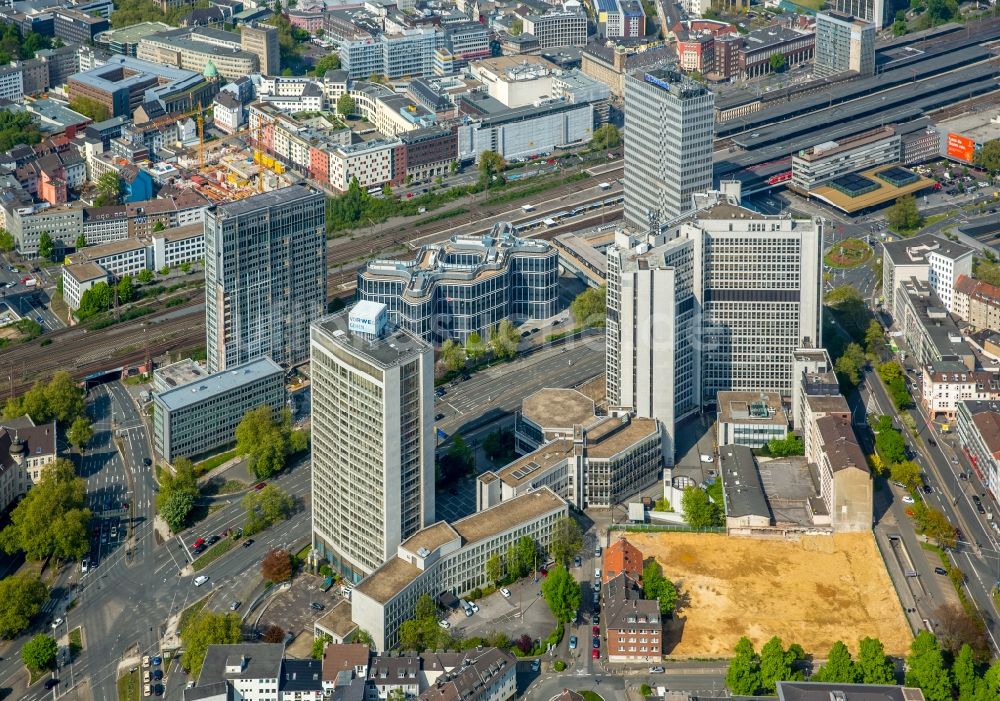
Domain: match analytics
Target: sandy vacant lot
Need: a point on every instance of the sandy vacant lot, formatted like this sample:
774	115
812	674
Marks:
813	592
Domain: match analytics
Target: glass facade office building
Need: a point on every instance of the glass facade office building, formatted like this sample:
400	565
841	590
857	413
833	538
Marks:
468	285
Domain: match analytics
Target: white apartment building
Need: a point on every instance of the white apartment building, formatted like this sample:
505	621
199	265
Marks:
179	245
978	303
252	671
79	278
449	557
371	162
11	83
228	113
978	429
104	224
118	258
948	382
64	223
927	258
373	445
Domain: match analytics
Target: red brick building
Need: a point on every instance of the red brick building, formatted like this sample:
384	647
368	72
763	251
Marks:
633	625
622	557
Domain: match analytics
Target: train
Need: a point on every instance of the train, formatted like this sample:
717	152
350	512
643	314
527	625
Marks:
551	220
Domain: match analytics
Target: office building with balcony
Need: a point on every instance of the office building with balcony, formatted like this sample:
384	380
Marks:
467	285
265	276
372	438
668	144
201	416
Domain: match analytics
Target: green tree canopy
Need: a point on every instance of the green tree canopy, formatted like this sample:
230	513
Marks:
988	156
699	510
346	105
109	185
80	433
7	243
40	652
743	675
21	598
839	667
175	508
873	664
567	540
606	136
425	607
126	290
904	215
51	519
590	307
266	507
204	629
520	557
494	569
504	339
562	593
330	62
890	446
59	399
90	107
17	128
264	440
777	62
907	473
452	356
783	447
490	163
658	587
475	348
46	246
777	664
925	668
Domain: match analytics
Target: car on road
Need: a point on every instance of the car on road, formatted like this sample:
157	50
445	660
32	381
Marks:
200	549
49	683
259	486
248	542
56	623
656	670
157	674
707	458
85	565
146	678
940	570
595	619
597	586
932	442
536	665
440	392
597	551
596	642
505	592
908	499
147	462
235	605
596	653
212	540
444	624
316	605
197	543
438	417
200	579
596	630
157	661
927	489
474	606
572	642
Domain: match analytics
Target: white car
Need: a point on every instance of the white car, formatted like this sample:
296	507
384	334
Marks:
505	592
56	623
199	580
707	458
908	499
444	624
474	607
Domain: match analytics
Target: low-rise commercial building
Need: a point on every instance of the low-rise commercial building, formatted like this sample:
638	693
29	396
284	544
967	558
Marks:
978	303
125	41
760	45
947	383
823	162
816	395
197	48
557	27
750	418
182	372
466	285
522	132
119	258
63	223
104	224
978	428
742	492
201	416
550	414
449	557
79	278
845	481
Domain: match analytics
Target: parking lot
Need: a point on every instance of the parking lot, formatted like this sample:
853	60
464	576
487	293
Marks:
290	609
524	612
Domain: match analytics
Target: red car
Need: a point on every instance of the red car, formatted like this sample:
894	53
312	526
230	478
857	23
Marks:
198	543
597	631
542	571
259	486
596	654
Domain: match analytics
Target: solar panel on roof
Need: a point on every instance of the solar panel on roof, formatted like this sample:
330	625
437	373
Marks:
854	185
897	176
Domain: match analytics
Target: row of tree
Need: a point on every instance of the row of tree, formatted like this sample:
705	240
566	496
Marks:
892	375
268	441
102	296
502	343
178	493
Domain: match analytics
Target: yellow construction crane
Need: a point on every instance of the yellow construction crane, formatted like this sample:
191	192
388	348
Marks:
199	117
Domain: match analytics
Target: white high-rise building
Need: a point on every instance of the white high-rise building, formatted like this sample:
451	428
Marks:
669	125
716	302
372	438
265	276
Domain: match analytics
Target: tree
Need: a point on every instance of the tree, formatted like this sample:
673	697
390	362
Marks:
145	276
45	245
850	364
494	569
790	445
776	664
81	241
21	598
51	519
491	164
504	339
839	667
319	644
516	27
940	11
125	290
40	652
658	587
276	566
567	540
175	509
935	525
363	637
330	62
204	629
777	62
273	634
89	107
109	185
925	668
606	136
904	215
80	433
874	337
907	473
988	156
346	105
7	243
743	674
452	356
873	664
265	508
562	594
474	347
425	607
890	446
520	558
263	441
964	672
699	510
590	307
17	128
958	630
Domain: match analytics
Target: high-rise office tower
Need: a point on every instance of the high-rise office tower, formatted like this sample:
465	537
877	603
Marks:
717	301
651	357
262	40
843	44
265	276
669	124
372	438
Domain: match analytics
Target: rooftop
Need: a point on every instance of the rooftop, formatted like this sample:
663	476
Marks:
885	192
817	691
527	467
935	321
914	251
180	373
622	556
554	408
338	619
221	382
301	675
430	539
986	417
179	233
394	348
751	407
131	34
613	434
345	657
741	485
980	126
265	199
82	272
92	253
840	445
255	660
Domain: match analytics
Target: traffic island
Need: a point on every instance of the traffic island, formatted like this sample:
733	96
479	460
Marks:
130	686
847	254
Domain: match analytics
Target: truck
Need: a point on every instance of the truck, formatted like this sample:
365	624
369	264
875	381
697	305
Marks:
31	283
527	208
604	186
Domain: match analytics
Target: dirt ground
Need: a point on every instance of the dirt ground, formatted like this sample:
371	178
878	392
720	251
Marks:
813	592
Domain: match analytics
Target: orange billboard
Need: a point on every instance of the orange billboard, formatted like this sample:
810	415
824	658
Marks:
961	147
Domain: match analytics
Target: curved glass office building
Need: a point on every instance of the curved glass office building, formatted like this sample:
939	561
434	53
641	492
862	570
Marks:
469	284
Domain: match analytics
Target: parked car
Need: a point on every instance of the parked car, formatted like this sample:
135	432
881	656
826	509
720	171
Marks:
505	592
908	499
259	486
248	542
444	624
235	605
596	643
940	570
212	540
147	690
49	683
157	661
316	605
157	674
56	623
572	642
145	661
438	417
536	665
577	561
596	653
200	579
200	541
656	670
596	630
